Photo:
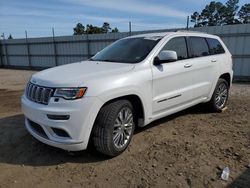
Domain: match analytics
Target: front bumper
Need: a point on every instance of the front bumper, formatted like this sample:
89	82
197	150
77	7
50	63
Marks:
77	128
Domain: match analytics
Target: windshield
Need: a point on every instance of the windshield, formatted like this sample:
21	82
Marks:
128	50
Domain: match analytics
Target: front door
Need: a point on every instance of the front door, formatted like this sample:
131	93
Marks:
172	82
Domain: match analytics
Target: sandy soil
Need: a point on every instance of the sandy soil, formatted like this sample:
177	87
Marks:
188	149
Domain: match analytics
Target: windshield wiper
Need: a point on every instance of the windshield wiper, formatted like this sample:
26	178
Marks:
106	60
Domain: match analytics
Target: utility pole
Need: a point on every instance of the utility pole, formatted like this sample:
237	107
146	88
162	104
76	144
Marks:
28	49
187	22
1	53
53	32
6	54
129	28
55	47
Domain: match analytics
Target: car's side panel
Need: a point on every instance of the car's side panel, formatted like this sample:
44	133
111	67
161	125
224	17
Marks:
137	82
204	72
176	86
172	86
180	82
224	63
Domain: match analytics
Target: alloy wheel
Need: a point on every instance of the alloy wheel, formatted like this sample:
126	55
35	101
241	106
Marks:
221	95
123	127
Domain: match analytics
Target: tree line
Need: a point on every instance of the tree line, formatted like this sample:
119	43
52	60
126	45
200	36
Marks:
80	29
218	14
214	14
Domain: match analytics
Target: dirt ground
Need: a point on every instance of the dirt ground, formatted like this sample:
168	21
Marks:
188	149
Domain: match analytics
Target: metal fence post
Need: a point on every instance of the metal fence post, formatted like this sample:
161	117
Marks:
88	46
6	50
130	29
1	54
28	50
187	23
55	47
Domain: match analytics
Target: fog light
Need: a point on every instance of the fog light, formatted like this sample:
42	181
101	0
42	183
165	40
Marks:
58	117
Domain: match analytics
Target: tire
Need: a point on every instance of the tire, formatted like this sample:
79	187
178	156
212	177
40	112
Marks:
113	130
220	96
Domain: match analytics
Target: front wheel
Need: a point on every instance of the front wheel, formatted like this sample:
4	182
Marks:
220	96
114	127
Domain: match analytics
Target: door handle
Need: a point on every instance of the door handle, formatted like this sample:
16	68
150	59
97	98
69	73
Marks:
213	60
188	65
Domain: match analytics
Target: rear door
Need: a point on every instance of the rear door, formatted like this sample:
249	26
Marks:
204	65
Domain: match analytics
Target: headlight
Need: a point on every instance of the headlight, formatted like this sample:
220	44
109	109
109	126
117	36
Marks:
70	93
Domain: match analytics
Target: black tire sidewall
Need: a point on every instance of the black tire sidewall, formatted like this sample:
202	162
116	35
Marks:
104	125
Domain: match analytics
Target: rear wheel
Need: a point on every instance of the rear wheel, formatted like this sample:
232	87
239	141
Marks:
220	96
114	127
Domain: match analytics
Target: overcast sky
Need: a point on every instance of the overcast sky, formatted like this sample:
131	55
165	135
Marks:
39	16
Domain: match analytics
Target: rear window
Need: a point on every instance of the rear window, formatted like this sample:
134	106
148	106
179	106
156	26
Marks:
215	46
199	47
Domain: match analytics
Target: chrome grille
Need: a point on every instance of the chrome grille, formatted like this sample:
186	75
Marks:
39	94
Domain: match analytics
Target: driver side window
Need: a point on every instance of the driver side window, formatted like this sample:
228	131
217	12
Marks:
178	45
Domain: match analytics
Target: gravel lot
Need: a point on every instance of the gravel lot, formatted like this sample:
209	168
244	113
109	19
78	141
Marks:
188	149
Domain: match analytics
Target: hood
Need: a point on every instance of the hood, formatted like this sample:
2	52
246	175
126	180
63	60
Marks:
77	74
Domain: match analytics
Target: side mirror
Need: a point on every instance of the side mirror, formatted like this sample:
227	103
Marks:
165	56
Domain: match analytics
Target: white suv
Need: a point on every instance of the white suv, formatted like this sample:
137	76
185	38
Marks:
130	83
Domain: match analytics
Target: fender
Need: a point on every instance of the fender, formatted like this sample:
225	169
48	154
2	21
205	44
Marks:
215	83
126	91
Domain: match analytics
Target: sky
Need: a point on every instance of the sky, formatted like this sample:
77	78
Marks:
38	17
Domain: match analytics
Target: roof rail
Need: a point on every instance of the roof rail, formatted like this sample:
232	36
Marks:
189	31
